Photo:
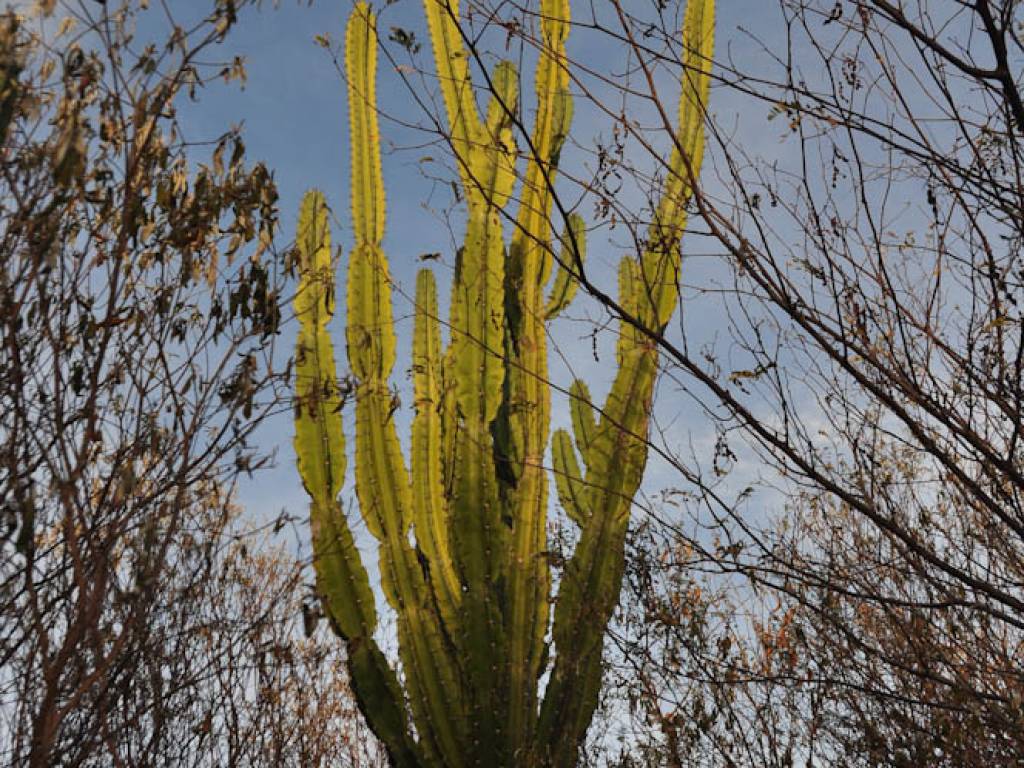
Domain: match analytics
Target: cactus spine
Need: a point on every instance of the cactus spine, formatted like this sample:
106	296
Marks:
462	538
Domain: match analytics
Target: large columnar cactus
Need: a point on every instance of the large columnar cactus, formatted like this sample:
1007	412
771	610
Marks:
463	553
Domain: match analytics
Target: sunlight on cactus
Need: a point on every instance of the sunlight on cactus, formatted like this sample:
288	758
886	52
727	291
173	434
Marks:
471	588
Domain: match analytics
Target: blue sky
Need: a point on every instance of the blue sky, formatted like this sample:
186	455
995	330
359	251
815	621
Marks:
294	115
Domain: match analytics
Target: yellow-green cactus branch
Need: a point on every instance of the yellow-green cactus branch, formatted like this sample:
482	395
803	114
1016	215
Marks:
319	441
632	294
574	253
342	580
660	263
431	517
584	424
551	128
494	167
452	63
568	478
367	182
382	480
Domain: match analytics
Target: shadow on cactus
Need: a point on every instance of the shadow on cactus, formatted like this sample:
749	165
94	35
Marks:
461	529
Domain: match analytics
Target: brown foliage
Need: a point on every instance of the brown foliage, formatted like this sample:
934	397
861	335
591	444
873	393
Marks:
139	623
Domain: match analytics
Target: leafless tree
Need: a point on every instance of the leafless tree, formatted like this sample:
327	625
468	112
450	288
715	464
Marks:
873	364
849	355
141	622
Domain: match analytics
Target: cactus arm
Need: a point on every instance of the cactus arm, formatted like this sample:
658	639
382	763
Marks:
660	262
431	518
367	189
568	479
494	170
452	63
591	582
341	578
632	294
382	482
584	427
551	128
698	48
380	699
382	487
477	325
449	423
574	252
477	313
319	441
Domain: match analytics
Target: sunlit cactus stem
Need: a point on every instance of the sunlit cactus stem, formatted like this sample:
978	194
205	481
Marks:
461	531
